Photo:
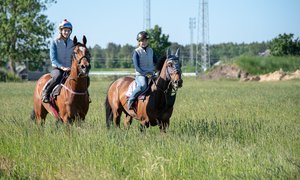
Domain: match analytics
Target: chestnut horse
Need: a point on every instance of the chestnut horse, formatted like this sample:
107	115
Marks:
157	107
73	101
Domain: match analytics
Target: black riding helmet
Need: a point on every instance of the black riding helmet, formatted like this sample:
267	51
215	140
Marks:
142	35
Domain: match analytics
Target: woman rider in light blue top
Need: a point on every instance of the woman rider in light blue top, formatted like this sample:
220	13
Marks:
144	62
61	50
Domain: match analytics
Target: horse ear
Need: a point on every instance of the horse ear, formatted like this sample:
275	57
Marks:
168	52
84	40
177	54
75	40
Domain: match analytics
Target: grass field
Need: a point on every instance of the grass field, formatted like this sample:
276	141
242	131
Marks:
219	130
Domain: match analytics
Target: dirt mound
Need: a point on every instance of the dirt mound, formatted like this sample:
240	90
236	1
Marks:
275	76
293	75
227	72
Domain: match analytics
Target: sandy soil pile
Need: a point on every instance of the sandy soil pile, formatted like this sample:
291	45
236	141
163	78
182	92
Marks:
225	72
234	72
275	76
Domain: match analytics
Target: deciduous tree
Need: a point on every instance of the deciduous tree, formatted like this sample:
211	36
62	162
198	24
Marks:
24	30
158	42
284	45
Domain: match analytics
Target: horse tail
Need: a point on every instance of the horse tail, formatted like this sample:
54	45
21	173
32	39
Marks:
32	115
108	113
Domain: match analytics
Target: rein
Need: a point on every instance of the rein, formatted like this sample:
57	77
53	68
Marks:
169	87
173	90
73	92
78	76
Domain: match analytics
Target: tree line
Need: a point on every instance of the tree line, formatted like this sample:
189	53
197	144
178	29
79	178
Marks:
25	33
117	56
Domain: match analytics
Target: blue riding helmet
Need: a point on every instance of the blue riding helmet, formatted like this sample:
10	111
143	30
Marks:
65	24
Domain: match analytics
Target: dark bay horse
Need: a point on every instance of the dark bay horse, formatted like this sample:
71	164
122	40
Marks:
73	101
157	107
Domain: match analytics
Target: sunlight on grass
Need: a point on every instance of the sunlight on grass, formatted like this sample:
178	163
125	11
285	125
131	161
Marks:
218	130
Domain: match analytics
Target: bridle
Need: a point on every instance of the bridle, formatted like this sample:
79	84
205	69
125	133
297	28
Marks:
173	68
173	85
83	69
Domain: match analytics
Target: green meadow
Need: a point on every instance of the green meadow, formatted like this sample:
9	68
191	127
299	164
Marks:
218	130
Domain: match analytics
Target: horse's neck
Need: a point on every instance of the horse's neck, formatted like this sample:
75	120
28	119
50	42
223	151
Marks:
161	93
162	82
75	82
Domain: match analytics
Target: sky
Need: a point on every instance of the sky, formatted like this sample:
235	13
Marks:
119	21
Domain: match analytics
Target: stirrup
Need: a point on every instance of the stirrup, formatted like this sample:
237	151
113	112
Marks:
45	99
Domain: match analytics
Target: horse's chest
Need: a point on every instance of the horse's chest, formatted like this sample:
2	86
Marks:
146	112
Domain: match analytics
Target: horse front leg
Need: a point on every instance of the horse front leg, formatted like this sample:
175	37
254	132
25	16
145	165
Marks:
164	125
164	120
144	124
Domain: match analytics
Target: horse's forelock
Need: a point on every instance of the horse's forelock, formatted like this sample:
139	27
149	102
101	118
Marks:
83	49
173	57
78	44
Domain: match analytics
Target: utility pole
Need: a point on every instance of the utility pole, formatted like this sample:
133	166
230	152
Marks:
147	18
192	26
197	41
205	55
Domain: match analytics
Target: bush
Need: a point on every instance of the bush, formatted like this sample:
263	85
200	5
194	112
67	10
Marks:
285	45
13	77
262	65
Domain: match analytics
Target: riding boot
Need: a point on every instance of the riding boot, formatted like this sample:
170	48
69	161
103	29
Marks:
133	97
46	92
130	103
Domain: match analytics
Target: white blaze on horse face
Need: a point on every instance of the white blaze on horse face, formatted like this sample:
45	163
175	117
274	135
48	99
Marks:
82	49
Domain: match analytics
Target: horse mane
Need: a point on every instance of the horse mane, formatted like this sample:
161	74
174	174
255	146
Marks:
160	63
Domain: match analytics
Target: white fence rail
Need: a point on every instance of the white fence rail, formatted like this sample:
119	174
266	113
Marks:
124	73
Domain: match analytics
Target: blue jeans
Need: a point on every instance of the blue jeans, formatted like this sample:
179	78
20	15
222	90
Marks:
142	83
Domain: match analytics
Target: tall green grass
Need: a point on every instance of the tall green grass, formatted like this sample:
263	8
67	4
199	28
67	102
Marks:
261	65
219	130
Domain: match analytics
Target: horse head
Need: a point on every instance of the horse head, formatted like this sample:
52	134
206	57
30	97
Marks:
173	69
81	56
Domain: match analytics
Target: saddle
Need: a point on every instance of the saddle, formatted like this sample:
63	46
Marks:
143	94
56	90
